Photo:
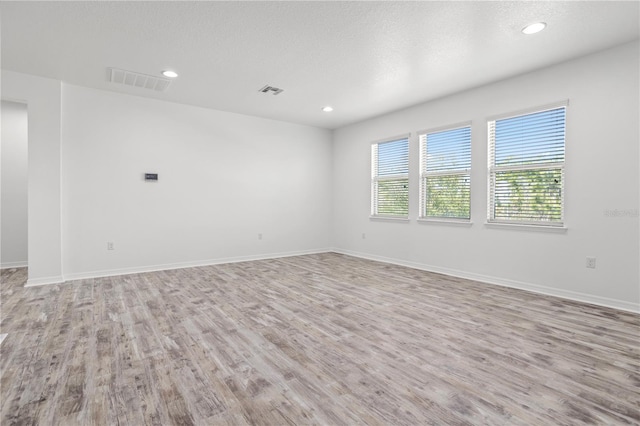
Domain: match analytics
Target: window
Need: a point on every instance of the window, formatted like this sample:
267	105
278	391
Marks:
390	178
526	168
445	167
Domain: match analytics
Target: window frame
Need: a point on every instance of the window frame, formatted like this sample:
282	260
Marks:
551	165
375	178
424	175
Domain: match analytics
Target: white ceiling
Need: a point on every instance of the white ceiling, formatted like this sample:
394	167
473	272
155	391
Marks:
363	58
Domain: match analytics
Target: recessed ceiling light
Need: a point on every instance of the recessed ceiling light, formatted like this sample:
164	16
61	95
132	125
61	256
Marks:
170	74
327	109
534	28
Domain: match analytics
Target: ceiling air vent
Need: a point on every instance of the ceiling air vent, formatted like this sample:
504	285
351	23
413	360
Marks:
270	89
136	79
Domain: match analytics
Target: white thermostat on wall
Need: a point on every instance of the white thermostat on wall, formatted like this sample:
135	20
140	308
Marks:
151	176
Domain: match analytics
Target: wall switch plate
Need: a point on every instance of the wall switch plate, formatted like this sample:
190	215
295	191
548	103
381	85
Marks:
591	262
259	236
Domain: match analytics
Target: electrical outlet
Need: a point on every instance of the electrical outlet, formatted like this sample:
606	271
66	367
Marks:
259	236
591	262
110	246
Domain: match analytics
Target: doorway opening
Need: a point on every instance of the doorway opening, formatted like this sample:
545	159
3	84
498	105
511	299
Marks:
13	186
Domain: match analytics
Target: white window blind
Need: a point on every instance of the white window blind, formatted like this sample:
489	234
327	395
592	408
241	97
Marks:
390	178
526	168
445	179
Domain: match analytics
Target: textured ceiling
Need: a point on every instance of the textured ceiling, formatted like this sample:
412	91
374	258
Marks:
363	58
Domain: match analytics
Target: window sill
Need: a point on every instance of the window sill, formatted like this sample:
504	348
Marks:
527	227
390	218
466	223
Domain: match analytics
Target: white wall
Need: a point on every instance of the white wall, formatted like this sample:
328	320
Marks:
601	174
224	178
42	97
213	166
14	180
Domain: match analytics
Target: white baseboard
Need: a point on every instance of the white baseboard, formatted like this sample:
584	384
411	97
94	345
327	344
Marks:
181	265
32	282
9	265
535	288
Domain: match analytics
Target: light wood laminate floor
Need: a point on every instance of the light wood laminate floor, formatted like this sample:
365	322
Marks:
320	339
